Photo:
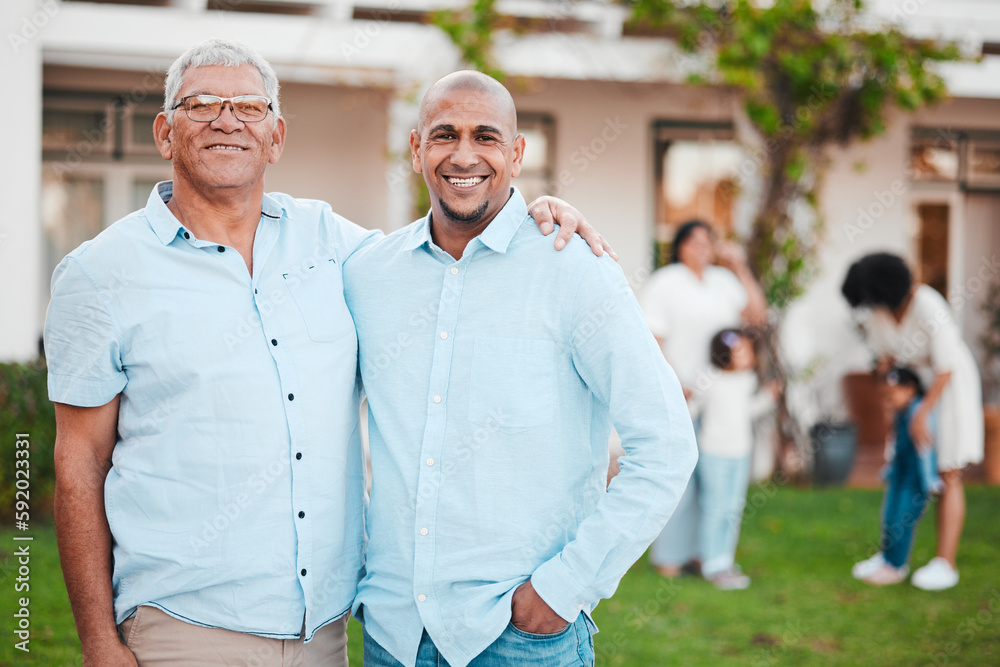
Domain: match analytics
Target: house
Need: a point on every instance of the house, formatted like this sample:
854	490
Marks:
611	126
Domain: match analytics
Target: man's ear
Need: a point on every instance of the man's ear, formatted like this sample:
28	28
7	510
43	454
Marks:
161	135
518	155
415	151
277	140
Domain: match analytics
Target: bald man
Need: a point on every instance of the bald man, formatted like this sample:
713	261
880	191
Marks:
493	378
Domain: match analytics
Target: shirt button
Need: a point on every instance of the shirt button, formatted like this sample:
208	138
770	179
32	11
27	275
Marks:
423	531
291	397
444	335
298	456
303	572
454	270
437	399
302	515
430	462
274	341
221	249
421	597
186	235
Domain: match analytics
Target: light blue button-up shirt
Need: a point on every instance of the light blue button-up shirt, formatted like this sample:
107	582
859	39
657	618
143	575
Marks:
236	497
493	382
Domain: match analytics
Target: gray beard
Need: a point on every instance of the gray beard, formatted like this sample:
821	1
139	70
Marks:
471	217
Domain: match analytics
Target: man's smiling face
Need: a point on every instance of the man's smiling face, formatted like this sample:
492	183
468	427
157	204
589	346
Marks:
468	150
227	152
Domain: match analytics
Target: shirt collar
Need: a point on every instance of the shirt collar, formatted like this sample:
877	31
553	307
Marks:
166	226
497	235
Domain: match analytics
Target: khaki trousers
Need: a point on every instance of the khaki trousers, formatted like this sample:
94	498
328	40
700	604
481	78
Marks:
159	640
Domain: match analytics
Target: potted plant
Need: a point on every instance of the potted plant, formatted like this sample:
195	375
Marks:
817	401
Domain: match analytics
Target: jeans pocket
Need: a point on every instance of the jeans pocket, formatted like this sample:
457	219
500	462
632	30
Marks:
532	636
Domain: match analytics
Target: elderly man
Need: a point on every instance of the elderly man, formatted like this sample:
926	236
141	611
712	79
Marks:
491	536
210	484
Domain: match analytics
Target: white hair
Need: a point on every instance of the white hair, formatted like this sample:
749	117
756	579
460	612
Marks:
218	52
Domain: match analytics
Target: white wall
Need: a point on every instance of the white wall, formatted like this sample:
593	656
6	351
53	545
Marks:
336	150
20	229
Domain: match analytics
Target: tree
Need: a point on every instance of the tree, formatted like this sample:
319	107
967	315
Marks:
471	30
809	79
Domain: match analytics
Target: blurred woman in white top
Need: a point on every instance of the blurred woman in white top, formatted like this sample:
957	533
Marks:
911	324
686	303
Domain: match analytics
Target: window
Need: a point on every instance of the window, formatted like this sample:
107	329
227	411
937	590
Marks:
697	173
968	159
84	126
934	156
99	163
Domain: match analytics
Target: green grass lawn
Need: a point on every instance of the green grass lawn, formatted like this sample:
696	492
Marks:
802	609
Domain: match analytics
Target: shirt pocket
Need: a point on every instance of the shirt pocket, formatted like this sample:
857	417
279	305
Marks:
318	292
513	383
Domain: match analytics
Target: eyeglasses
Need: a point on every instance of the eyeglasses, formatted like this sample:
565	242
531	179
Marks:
207	108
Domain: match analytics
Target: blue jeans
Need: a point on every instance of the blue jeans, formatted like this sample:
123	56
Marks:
572	647
905	500
722	493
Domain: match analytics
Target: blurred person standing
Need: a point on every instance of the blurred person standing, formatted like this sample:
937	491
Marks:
727	407
686	303
911	324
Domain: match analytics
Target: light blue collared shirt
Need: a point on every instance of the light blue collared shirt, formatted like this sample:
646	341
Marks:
493	382
236	497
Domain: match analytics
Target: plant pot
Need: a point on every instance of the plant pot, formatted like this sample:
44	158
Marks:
835	447
991	453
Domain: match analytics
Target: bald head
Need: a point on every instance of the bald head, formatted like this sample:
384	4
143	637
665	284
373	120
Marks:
449	89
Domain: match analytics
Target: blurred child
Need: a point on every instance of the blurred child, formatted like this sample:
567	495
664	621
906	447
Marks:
727	403
911	477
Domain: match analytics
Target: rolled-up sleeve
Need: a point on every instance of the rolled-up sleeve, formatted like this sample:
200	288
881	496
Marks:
82	344
622	365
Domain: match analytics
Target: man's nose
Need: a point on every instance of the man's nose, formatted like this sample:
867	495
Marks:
465	154
227	120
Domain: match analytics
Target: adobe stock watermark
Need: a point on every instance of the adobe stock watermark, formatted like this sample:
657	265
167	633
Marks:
882	200
363	37
588	153
33	23
868	216
256	484
94	138
609	648
987	615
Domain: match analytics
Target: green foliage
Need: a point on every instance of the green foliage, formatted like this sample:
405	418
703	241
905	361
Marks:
421	196
471	30
26	409
810	78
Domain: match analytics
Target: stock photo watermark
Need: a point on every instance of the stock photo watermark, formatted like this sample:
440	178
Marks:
22	546
32	24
